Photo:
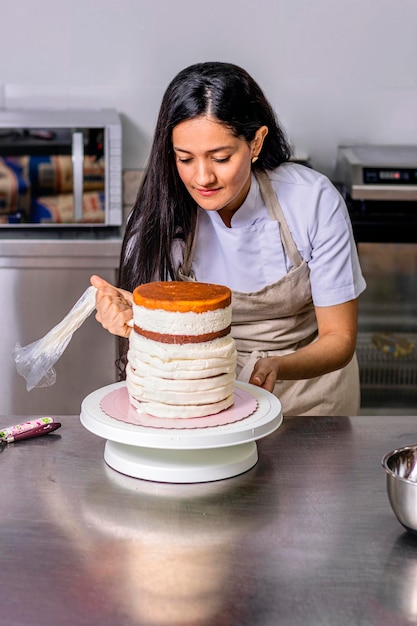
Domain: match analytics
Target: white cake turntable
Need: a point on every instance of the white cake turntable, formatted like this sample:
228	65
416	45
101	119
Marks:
179	452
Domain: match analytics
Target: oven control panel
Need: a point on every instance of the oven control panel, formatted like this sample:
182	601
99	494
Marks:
389	176
378	172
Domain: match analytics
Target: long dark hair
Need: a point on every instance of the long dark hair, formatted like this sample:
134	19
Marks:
164	210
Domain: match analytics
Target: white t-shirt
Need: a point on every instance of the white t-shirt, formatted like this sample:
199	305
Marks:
249	255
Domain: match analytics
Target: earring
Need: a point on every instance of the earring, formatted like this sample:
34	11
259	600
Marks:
254	159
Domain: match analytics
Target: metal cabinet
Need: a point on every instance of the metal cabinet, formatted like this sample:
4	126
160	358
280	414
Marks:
40	281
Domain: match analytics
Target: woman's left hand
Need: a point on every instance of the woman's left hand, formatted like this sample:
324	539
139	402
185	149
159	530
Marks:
265	373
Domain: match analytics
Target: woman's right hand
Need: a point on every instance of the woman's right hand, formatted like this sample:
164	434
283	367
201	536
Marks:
113	306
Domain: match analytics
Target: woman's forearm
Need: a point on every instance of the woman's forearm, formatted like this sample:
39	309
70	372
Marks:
333	349
320	357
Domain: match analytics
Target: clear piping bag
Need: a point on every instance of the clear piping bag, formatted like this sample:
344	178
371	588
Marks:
35	362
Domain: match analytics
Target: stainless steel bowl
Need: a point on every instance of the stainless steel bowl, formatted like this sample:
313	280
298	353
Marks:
401	469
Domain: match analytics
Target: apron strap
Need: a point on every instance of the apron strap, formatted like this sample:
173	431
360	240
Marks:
272	203
247	369
184	271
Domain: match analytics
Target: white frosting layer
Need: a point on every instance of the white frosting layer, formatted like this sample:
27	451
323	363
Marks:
187	360
181	380
175	323
175	392
171	411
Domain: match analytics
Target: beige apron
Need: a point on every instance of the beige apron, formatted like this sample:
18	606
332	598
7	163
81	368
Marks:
279	319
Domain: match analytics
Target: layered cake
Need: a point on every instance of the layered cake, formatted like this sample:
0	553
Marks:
182	358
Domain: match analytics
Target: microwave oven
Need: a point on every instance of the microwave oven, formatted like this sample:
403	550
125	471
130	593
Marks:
60	168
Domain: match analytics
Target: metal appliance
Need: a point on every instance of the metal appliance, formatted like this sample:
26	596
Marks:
378	172
60	169
379	184
61	213
41	280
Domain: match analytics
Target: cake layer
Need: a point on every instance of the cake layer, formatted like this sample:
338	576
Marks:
181	380
182	358
181	361
174	392
189	323
164	338
158	409
161	388
182	296
186	324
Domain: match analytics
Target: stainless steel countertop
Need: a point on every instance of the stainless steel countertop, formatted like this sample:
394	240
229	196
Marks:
305	537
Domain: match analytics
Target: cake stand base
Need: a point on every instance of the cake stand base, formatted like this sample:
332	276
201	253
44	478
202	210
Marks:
181	466
185	455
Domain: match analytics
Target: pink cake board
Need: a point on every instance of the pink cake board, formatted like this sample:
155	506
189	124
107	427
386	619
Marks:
116	404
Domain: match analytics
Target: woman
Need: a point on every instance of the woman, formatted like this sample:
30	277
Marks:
221	203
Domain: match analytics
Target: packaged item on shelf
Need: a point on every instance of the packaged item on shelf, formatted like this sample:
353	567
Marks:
60	209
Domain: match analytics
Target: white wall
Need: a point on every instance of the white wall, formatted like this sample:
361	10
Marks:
335	70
